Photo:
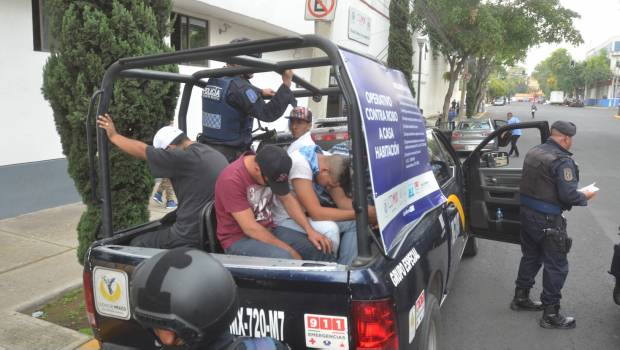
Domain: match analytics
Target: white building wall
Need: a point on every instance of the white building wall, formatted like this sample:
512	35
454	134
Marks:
28	132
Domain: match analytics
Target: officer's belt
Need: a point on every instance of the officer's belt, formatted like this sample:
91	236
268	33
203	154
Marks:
540	206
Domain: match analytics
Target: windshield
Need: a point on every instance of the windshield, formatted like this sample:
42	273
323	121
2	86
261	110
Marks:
474	126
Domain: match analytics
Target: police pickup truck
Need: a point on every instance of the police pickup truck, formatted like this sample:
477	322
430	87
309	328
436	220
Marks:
430	206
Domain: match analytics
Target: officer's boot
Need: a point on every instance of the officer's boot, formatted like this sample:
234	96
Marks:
553	319
617	291
522	301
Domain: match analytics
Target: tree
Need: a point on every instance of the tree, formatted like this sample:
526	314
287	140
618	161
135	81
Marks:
400	49
459	30
524	23
595	69
557	72
91	36
497	87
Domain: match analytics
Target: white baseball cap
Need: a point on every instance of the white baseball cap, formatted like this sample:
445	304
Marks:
164	136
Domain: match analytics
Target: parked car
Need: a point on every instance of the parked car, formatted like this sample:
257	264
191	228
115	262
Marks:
500	101
575	103
468	134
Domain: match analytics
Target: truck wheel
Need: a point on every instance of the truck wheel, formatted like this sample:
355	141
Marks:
471	247
432	325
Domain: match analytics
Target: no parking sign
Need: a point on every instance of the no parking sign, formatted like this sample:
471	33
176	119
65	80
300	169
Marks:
320	10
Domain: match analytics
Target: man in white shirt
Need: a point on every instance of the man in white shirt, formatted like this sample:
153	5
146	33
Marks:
300	123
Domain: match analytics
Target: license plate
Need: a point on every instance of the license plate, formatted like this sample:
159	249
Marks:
470	148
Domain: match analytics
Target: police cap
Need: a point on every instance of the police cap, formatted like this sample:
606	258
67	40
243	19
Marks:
564	127
243	40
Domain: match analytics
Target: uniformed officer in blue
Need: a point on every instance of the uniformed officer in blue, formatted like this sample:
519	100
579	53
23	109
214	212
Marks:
548	187
230	104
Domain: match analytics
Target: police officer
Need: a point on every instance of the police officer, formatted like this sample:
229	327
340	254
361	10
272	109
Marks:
187	299
548	187
615	271
230	104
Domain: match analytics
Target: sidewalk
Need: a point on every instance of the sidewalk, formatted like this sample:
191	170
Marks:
37	264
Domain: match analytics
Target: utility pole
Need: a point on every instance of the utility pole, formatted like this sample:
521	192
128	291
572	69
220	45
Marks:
421	43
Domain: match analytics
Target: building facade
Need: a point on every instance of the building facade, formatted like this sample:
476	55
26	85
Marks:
606	93
32	167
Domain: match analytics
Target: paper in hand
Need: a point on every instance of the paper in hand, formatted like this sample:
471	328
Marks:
591	188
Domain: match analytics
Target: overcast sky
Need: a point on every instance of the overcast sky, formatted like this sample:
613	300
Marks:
599	21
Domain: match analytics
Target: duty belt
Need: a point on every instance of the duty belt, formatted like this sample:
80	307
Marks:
540	206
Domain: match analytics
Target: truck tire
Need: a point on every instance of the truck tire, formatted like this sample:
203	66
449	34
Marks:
471	247
431	325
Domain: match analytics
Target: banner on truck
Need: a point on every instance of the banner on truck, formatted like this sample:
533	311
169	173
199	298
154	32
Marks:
403	183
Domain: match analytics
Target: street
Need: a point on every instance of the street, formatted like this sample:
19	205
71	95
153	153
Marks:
476	313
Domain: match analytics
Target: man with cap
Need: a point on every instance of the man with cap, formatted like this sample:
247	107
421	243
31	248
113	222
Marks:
230	104
300	123
548	187
192	168
244	203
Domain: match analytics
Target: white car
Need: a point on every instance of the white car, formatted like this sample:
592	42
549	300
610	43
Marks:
499	101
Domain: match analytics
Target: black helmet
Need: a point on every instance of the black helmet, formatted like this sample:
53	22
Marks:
242	40
186	291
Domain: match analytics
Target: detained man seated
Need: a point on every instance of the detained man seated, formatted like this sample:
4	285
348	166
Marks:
300	123
311	167
244	206
191	167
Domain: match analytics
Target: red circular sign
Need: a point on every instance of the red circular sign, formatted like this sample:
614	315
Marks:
326	11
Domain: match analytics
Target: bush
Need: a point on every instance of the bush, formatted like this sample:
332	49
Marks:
91	36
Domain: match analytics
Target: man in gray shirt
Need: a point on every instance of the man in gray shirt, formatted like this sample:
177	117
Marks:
193	169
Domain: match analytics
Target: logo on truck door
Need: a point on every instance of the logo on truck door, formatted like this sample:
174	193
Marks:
254	322
111	293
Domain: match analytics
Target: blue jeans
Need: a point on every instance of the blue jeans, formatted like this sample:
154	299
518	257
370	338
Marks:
328	229
348	238
251	247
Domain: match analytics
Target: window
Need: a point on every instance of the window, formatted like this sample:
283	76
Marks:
190	33
41	34
440	160
616	46
336	106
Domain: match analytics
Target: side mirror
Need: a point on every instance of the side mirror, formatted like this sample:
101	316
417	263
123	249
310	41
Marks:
495	159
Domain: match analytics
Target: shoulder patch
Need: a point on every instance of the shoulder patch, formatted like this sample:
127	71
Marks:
251	95
568	174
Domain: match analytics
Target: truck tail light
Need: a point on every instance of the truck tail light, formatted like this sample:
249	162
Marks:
89	297
331	137
456	135
375	324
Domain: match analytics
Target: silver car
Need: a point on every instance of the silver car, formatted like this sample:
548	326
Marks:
468	134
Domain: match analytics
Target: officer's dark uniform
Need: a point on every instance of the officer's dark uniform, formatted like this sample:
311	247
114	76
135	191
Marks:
229	106
548	187
615	271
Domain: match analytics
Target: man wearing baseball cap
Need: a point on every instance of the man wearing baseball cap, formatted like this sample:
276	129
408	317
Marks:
300	123
243	205
191	167
549	186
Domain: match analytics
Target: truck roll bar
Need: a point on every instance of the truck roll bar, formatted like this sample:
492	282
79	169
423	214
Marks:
139	68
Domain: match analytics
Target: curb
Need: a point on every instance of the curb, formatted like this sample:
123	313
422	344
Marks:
53	294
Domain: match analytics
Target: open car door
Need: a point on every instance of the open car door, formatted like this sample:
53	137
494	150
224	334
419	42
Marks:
491	185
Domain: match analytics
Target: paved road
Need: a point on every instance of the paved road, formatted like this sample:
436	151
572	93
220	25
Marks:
476	315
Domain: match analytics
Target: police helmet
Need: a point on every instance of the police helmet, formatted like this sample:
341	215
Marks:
186	291
243	40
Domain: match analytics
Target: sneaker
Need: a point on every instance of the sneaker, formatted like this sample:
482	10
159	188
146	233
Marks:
157	198
171	204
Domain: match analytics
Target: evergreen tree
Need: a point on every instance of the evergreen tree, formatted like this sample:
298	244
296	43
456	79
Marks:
91	35
400	49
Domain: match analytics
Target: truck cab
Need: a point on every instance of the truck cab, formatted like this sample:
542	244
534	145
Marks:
430	205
